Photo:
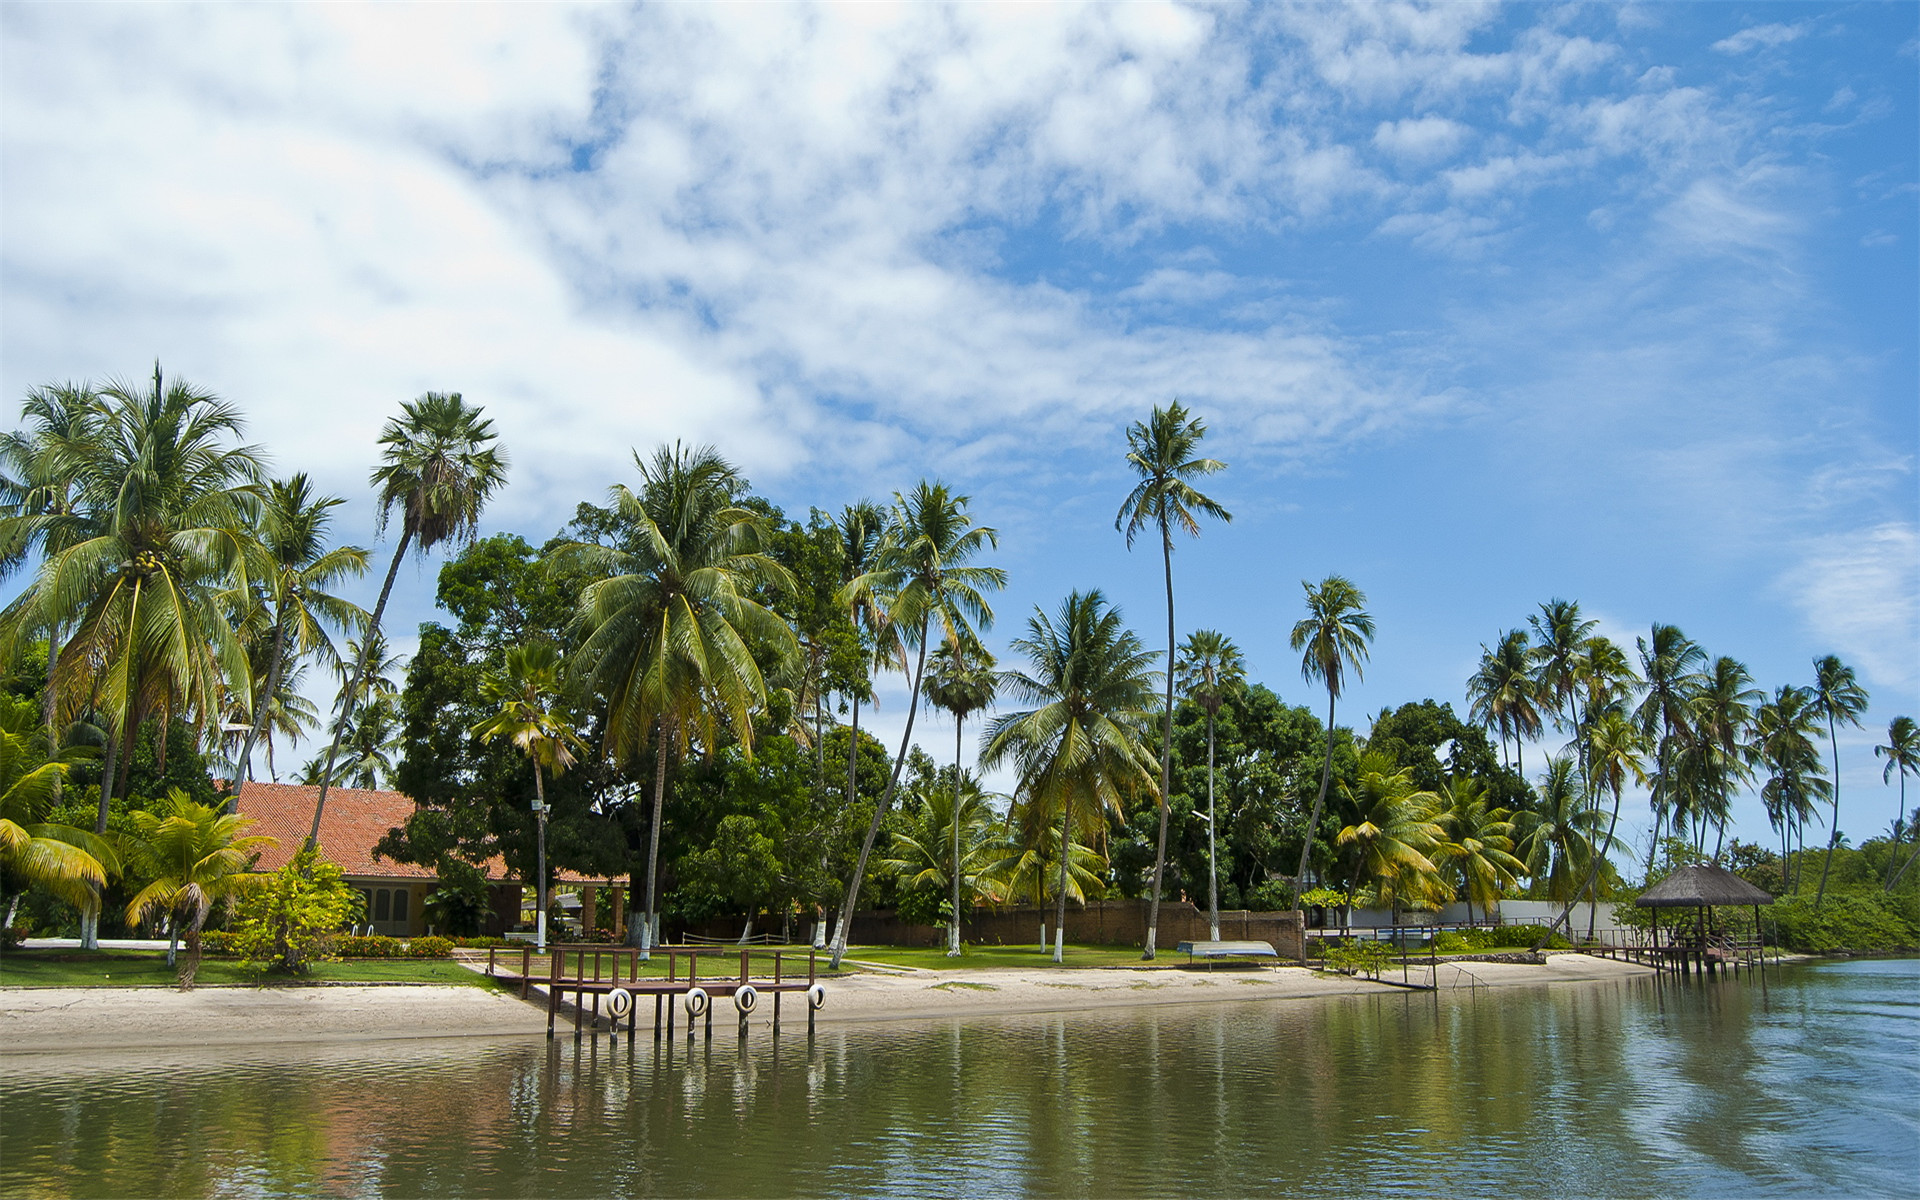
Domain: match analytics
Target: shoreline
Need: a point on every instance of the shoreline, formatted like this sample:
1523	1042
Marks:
42	1022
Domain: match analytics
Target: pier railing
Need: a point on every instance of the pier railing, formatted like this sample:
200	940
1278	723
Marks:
620	977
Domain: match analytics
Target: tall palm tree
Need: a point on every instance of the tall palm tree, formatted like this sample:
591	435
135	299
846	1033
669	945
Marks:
1902	752
861	526
921	578
296	570
1560	633
1092	686
72	864
1615	752
1669	662
438	466
1333	639
1164	451
1210	667
1479	839
197	856
672	636
1502	693
1392	832
1028	858
526	692
1784	729
1837	697
962	684
950	844
1559	840
1722	728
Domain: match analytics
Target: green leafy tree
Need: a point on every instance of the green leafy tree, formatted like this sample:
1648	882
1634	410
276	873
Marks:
1209	667
1091	681
1669	661
961	684
1164	450
69	863
438	467
1477	839
1391	834
1560	840
1026	866
1783	744
921	577
1902	752
1560	635
196	856
1837	698
1720	751
1503	695
945	854
1333	638
292	917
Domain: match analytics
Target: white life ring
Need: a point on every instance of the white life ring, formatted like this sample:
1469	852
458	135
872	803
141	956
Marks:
619	1002
745	997
696	1001
817	996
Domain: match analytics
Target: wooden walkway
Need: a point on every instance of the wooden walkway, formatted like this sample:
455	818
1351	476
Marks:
618	977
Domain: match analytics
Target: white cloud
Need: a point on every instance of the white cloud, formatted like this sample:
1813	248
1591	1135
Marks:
1420	139
1860	593
1760	37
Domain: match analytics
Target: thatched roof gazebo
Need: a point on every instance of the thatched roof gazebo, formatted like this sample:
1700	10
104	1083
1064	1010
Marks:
1703	887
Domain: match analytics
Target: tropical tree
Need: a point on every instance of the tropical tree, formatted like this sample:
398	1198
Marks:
71	864
1615	753
1669	662
1164	451
1333	638
1091	682
526	691
438	467
922	580
1210	666
949	846
1784	729
295	571
1392	833
1558	840
1502	693
1026	860
1720	751
1560	634
961	684
196	856
861	527
1478	839
1902	752
1837	697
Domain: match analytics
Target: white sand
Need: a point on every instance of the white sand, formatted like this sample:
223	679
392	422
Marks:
61	1020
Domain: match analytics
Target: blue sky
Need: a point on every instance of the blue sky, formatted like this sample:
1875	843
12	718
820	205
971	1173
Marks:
1484	305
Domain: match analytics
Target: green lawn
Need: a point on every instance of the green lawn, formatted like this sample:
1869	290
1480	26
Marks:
148	968
975	958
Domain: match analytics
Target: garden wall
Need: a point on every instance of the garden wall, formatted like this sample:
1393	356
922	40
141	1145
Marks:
1101	923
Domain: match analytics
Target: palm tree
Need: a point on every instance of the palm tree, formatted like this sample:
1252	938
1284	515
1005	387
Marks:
526	691
1392	832
1722	724
672	636
1029	859
1557	841
861	525
959	683
1480	840
197	856
437	469
1502	693
921	578
297	569
1784	730
70	863
1614	754
1669	662
1333	638
961	819
1163	450
1092	685
1210	667
1560	633
1837	697
1902	753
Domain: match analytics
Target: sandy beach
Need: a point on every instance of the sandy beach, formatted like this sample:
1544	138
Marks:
64	1020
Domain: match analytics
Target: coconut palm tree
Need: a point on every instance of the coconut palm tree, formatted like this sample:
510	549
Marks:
861	526
526	693
1837	697
1210	668
1164	451
1479	840
196	856
438	467
1615	753
1558	840
959	683
1784	729
296	570
1669	662
1559	634
1902	752
1722	726
1502	693
950	844
1333	639
72	864
671	635
1392	832
922	579
1092	684
1026	860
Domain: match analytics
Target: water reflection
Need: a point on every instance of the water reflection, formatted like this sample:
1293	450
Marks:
1630	1088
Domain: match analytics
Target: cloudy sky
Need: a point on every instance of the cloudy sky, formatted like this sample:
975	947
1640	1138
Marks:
1483	305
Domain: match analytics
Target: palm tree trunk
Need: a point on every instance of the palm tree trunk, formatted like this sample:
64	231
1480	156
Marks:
540	859
653	838
109	760
853	751
1833	834
839	947
359	677
953	935
1213	865
1066	853
1166	755
263	704
1319	802
1895	877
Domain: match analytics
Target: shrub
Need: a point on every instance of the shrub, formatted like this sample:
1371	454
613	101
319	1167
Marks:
366	945
1859	921
428	947
13	935
296	915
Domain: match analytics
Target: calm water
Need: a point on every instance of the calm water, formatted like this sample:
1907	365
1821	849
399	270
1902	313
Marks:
1618	1089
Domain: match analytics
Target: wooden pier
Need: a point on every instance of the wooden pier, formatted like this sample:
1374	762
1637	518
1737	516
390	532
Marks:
618	977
